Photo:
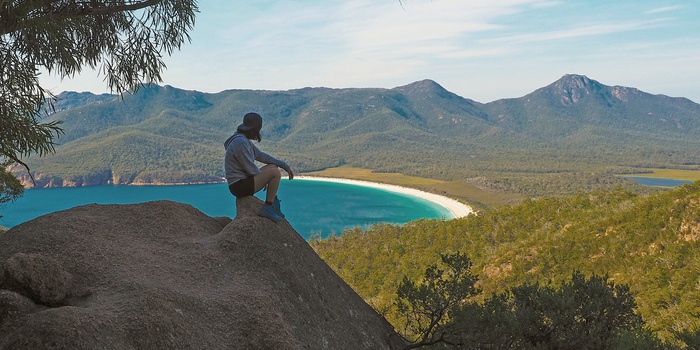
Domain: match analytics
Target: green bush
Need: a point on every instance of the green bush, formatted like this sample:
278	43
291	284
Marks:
581	313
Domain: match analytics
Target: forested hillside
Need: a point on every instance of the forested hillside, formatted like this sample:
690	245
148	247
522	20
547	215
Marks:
573	134
648	242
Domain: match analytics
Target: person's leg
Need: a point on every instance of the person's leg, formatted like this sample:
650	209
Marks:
269	175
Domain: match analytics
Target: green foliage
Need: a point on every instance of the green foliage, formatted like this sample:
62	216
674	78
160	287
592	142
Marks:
582	313
133	156
427	305
10	187
127	38
21	131
691	338
647	242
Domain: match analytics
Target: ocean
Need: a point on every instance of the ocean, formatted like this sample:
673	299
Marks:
311	207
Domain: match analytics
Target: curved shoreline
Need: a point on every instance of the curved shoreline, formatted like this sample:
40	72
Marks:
456	208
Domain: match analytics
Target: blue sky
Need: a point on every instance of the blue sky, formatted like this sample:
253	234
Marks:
479	49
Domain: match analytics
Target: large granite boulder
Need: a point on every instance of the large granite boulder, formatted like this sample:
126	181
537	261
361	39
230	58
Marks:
163	275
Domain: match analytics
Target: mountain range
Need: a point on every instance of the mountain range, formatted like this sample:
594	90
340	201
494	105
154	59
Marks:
573	126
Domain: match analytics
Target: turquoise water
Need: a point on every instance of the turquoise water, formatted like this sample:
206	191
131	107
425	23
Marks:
311	207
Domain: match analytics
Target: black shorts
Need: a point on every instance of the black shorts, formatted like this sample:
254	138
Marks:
243	188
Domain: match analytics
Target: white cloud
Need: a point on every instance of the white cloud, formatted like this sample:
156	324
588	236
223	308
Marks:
379	42
471	46
664	9
595	29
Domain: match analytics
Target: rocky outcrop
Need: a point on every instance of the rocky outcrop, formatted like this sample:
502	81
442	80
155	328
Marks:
162	275
41	180
38	277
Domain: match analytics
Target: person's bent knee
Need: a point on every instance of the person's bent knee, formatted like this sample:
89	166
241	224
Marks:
271	172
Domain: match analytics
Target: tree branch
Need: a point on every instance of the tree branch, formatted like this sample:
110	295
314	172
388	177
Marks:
77	9
118	8
432	341
15	159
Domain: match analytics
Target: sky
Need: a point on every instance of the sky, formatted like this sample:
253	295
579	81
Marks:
483	50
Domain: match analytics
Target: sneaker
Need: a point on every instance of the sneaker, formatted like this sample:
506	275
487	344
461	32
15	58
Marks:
276	206
269	212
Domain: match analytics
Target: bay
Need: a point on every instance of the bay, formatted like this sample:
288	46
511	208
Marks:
658	182
311	207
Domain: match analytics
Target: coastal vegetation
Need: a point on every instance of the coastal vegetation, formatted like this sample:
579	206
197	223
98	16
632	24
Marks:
545	172
581	313
648	242
575	134
559	235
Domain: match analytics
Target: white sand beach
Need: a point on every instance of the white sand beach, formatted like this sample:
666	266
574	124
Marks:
456	208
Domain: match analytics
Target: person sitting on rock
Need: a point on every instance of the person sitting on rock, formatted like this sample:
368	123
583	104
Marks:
243	176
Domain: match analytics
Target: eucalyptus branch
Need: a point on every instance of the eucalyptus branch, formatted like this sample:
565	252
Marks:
137	5
126	37
21	17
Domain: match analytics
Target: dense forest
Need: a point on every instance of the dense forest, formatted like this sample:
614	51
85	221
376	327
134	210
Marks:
647	242
575	134
554	156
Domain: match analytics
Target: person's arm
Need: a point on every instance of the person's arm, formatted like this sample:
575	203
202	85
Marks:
263	157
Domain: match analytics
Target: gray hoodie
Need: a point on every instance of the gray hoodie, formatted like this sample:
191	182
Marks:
241	155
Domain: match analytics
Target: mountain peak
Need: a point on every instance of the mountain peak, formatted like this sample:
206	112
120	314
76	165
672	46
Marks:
422	87
163	275
70	99
576	80
573	88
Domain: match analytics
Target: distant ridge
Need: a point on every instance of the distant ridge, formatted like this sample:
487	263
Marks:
574	125
69	99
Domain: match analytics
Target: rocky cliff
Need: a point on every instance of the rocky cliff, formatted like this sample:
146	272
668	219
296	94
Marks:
162	275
